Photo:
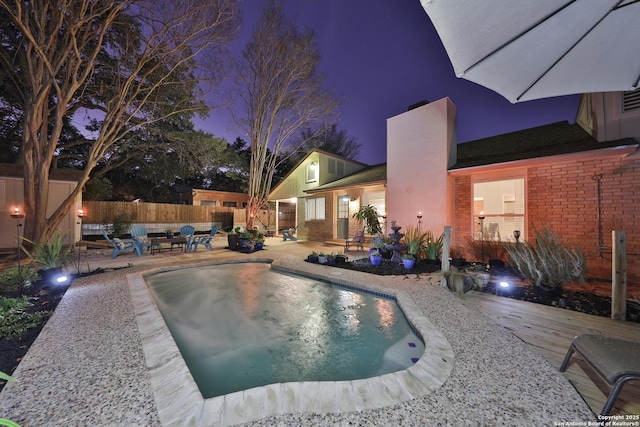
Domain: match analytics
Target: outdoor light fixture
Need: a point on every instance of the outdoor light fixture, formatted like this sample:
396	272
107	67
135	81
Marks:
419	216
81	214
17	214
503	287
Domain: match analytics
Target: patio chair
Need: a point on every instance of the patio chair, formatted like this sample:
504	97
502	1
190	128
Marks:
357	240
204	240
188	231
121	245
616	361
288	234
140	235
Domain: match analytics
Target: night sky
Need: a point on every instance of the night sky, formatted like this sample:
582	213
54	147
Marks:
380	57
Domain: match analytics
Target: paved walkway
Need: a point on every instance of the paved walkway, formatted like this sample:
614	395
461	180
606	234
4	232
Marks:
91	365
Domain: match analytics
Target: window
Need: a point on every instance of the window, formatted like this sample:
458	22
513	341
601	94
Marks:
230	204
315	209
312	172
377	200
208	203
502	205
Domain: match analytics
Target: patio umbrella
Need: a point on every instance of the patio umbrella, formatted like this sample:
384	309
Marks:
531	49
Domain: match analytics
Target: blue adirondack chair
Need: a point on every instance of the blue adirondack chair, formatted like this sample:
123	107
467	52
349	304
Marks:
140	235
188	231
121	245
204	240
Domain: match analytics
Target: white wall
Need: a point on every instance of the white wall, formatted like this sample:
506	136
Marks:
421	146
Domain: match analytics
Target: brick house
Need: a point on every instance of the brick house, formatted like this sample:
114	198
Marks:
296	203
582	179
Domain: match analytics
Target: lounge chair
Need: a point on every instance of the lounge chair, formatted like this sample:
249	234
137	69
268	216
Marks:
140	235
188	231
204	240
121	245
615	360
357	240
288	234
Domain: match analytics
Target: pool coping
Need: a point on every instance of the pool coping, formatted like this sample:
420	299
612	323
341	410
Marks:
179	401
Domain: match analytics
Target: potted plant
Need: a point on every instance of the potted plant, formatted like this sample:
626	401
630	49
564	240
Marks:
341	259
245	241
232	239
259	243
375	257
408	261
331	259
322	258
368	214
313	257
169	233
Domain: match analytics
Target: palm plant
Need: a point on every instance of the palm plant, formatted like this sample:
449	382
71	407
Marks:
433	246
369	215
415	241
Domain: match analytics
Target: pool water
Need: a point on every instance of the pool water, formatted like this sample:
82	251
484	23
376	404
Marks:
240	326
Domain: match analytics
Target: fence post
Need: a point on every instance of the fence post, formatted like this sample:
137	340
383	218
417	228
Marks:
446	247
619	275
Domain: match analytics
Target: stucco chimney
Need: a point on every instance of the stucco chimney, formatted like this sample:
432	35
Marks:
421	146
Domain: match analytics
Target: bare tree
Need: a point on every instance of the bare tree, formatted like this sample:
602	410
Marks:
129	63
281	90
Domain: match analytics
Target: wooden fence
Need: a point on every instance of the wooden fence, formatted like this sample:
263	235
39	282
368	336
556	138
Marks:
163	214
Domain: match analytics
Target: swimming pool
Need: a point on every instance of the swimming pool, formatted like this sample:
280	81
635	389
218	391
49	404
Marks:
180	402
240	326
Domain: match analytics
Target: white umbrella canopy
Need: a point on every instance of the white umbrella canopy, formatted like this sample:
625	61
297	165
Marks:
532	49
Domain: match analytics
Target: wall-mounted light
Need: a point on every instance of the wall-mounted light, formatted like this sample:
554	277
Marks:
314	165
419	216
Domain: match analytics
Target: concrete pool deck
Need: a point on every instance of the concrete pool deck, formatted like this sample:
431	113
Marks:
89	367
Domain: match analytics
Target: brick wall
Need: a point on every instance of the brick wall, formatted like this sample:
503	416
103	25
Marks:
566	197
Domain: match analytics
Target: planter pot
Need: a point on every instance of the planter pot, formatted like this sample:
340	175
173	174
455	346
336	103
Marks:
258	246
375	260
232	239
244	243
331	261
341	259
408	263
482	278
322	259
312	258
169	235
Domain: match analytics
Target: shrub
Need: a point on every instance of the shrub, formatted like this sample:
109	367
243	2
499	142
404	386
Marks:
14	320
550	262
122	224
488	248
50	254
9	279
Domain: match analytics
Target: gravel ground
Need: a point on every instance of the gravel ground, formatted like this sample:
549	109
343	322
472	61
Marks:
87	367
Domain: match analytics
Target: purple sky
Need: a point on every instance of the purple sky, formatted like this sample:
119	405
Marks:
381	56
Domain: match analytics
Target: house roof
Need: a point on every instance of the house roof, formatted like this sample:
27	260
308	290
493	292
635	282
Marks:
369	175
542	141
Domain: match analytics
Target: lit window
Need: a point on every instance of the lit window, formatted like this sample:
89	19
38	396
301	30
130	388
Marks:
315	209
502	206
312	172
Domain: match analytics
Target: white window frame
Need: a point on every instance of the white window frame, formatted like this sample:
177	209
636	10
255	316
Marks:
315	209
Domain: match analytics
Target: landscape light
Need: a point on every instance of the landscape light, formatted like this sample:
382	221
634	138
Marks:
504	284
